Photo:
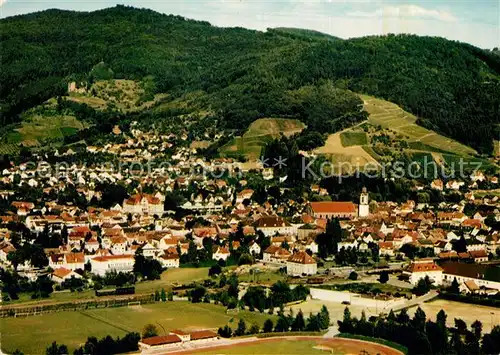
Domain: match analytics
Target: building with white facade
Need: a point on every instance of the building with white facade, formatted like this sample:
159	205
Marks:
363	208
143	204
419	269
119	263
300	264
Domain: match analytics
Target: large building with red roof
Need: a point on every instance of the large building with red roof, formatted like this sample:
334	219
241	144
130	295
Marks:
177	339
419	269
143	204
333	209
300	264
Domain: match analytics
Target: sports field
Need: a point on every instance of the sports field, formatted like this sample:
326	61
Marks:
301	346
258	134
33	334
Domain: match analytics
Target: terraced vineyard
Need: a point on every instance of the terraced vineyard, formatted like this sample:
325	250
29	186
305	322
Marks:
389	134
258	134
36	130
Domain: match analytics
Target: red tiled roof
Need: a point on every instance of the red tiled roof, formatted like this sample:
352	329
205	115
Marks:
333	207
61	272
301	257
160	340
203	334
72	258
423	267
113	257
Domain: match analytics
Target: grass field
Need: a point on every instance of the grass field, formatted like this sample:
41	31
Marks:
353	138
264	277
35	129
258	134
168	278
301	346
467	312
33	334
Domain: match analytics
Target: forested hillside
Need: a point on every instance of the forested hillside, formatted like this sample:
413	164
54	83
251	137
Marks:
242	75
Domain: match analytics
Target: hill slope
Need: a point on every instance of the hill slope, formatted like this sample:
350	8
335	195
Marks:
391	134
243	75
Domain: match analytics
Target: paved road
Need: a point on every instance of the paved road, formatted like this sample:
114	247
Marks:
415	302
332	331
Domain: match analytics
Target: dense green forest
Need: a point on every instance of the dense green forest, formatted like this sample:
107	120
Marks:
243	75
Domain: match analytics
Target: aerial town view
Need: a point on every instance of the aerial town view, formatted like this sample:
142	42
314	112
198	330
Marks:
236	177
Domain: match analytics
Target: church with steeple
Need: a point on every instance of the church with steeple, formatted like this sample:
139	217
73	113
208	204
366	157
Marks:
363	208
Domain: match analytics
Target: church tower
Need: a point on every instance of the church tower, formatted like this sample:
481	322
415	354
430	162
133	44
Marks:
364	209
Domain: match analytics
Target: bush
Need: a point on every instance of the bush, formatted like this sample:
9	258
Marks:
353	276
225	332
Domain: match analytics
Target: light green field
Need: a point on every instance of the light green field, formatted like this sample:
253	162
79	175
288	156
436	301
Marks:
388	133
258	134
36	128
168	278
289	346
264	277
353	138
303	346
33	334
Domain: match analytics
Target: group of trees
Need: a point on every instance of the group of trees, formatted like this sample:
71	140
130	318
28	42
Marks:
277	73
422	336
149	269
94	346
285	323
280	294
12	284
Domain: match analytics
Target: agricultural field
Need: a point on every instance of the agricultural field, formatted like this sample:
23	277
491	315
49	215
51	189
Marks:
126	95
353	138
33	334
388	134
37	128
352	156
258	134
301	346
389	115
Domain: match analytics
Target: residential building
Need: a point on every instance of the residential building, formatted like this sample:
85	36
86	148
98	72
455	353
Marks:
300	264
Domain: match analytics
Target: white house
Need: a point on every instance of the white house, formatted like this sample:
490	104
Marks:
419	269
270	225
119	263
254	248
221	253
62	274
301	263
169	260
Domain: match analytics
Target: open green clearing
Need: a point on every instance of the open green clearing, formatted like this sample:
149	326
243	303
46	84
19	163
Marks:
304	346
37	128
258	134
33	334
126	95
289	346
353	138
